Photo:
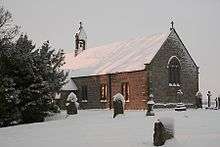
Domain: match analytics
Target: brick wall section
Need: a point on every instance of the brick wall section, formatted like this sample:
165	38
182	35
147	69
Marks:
138	89
158	79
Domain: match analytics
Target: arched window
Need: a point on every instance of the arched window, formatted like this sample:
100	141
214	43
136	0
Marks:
174	71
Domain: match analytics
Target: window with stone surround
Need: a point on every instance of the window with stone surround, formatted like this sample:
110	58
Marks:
174	71
125	90
103	92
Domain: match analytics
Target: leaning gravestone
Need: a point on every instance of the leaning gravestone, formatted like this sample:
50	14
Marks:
72	105
163	130
118	104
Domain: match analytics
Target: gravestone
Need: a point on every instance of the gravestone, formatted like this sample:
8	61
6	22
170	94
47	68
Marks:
72	105
163	130
180	106
209	98
118	104
150	105
218	102
199	99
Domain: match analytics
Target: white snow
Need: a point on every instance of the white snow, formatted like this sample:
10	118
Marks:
151	102
97	128
57	95
119	97
70	85
199	94
121	56
81	33
71	97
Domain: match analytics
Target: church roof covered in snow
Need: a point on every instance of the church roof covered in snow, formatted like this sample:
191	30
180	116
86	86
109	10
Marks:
70	85
121	56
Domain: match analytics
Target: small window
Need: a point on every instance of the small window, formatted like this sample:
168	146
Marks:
125	90
104	91
84	93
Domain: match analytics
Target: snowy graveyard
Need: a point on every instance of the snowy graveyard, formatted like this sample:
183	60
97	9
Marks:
97	128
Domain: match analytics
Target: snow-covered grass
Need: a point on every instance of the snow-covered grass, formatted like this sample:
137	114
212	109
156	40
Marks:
97	128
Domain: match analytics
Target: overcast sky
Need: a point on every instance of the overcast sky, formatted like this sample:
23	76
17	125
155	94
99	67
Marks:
196	21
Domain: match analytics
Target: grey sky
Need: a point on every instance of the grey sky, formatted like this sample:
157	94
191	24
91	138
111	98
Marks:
106	21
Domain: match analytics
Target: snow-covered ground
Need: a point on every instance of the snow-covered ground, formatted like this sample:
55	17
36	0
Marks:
97	128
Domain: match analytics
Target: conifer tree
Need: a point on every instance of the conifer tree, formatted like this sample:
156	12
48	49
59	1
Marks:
8	93
29	77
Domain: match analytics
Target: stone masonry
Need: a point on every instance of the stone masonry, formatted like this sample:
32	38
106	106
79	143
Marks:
158	69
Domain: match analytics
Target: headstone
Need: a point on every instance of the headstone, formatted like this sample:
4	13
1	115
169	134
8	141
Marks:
163	130
199	99
72	105
118	104
179	95
150	105
180	106
218	102
209	98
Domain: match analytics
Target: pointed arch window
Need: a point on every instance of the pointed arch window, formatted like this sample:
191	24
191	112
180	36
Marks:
174	71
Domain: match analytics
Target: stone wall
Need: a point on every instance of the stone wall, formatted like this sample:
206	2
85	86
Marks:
158	71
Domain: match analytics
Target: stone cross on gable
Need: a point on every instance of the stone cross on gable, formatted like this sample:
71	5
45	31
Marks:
80	25
172	25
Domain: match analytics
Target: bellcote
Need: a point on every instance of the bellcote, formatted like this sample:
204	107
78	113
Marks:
80	40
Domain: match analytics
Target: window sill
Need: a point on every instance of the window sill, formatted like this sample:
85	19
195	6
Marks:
174	85
103	101
84	101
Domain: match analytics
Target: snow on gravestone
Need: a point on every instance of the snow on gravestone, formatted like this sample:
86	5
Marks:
72	104
163	130
118	104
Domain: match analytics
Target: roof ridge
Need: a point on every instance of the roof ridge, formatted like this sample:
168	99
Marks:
122	56
125	40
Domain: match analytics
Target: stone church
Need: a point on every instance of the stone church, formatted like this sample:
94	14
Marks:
158	64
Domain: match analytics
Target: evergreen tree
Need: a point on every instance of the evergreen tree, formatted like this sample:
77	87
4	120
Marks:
8	93
47	78
29	77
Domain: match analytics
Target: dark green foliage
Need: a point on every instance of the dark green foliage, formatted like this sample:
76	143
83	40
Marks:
39	78
29	77
33	113
8	93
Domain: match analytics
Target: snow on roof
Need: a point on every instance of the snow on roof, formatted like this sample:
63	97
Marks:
82	34
121	56
70	85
